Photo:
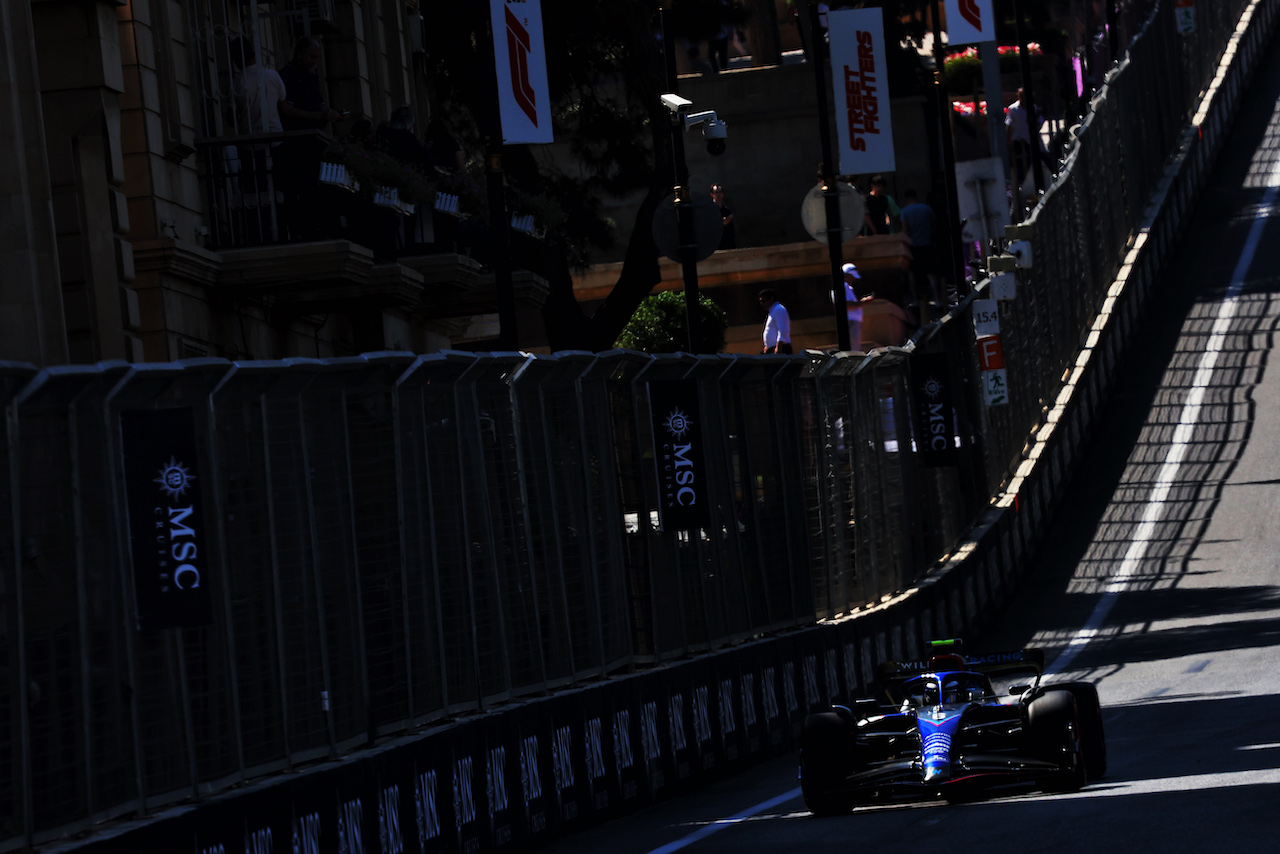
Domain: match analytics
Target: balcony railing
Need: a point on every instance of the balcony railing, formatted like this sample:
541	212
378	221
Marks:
270	188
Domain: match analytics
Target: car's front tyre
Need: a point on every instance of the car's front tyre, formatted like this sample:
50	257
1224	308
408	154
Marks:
824	763
1053	732
1093	741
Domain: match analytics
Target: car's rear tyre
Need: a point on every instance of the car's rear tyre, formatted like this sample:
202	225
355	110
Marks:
824	763
1093	741
1054	737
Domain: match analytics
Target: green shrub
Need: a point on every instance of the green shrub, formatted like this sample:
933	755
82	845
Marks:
658	325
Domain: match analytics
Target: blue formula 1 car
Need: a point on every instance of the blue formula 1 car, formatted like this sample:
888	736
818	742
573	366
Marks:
949	732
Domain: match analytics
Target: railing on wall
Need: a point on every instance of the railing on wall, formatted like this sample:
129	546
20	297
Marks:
389	540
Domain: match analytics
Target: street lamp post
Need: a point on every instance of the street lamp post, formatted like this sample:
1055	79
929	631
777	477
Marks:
499	235
683	201
948	154
1029	99
830	194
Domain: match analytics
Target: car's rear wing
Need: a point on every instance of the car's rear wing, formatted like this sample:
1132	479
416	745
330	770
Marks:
1016	661
1030	661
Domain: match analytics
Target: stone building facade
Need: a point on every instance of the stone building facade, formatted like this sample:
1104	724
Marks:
133	223
119	196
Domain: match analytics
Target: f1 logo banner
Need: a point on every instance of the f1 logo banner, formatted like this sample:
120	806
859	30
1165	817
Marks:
680	453
860	84
932	403
970	21
167	529
524	98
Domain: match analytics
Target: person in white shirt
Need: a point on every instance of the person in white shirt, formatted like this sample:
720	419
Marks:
258	92
1022	128
853	305
777	325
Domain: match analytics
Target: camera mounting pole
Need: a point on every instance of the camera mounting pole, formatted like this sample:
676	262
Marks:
953	242
683	200
828	175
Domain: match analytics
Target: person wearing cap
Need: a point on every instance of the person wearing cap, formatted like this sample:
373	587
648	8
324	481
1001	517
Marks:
853	299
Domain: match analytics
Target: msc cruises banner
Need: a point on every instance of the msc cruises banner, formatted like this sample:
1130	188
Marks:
524	98
970	21
680	455
860	86
167	528
933	403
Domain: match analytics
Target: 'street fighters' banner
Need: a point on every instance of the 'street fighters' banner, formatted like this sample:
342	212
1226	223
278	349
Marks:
524	98
970	22
860	83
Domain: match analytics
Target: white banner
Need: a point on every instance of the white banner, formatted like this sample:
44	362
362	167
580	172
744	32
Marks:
970	22
986	317
1004	286
860	83
524	97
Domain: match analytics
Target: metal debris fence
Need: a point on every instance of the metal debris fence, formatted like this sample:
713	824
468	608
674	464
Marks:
390	540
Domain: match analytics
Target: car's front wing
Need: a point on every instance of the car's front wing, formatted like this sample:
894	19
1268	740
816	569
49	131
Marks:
905	779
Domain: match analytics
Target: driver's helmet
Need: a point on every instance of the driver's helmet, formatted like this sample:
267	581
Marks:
961	690
921	692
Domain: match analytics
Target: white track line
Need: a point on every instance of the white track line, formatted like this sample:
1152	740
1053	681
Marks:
722	823
1168	475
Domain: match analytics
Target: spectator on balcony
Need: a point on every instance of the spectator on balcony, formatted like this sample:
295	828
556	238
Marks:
298	164
305	107
444	148
258	91
398	140
361	132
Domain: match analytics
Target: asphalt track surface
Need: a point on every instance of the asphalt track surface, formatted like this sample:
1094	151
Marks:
1160	581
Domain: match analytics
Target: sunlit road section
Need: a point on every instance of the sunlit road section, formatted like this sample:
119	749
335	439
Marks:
1160	581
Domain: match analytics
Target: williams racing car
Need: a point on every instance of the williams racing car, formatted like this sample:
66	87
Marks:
949	732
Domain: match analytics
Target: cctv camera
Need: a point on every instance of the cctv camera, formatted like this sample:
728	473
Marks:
692	120
1021	249
676	104
715	133
714	130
